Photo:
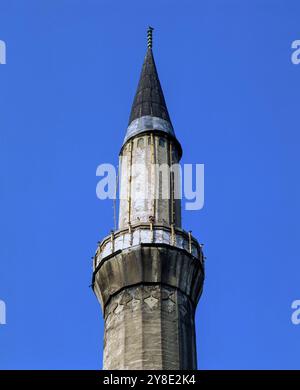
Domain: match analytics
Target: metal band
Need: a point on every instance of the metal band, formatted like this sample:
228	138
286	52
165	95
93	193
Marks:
145	123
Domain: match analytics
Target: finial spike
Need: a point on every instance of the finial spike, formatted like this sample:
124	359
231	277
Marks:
149	36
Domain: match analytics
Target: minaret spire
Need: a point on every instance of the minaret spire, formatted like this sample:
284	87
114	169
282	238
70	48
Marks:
149	98
149	109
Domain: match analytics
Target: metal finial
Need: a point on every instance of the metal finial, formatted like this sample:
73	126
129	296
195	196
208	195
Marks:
149	36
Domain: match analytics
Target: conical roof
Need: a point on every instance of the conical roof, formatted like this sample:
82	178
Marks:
149	98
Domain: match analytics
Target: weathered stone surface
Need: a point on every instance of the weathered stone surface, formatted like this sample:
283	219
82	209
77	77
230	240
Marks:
156	331
148	295
142	192
148	263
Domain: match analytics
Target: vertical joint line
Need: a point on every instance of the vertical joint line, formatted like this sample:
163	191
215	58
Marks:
130	233
190	241
172	219
130	179
153	184
172	234
152	232
112	238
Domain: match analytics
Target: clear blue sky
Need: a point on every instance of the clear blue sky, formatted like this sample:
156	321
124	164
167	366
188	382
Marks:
233	95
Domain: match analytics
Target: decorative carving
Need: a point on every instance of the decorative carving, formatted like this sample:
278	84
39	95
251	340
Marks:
168	306
151	302
154	297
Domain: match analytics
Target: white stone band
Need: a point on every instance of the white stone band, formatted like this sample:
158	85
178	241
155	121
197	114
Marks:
124	239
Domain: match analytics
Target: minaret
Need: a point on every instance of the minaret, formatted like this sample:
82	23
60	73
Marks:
148	275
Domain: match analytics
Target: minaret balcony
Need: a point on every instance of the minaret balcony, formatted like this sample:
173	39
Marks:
145	233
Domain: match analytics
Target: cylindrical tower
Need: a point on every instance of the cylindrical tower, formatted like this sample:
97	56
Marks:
148	275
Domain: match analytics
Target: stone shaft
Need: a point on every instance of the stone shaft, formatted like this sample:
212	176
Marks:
148	295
